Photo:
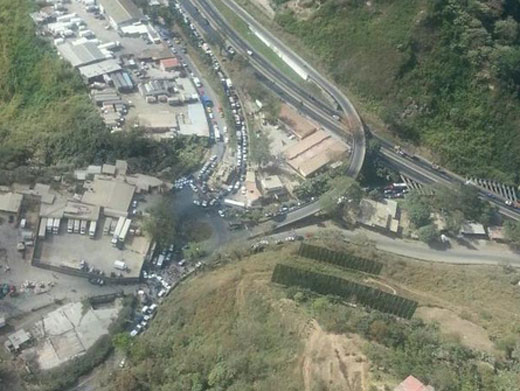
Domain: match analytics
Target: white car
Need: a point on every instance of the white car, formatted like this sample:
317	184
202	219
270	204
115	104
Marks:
249	52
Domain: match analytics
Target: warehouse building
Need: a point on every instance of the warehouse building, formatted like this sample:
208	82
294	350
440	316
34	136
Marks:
82	54
112	195
314	152
91	72
120	12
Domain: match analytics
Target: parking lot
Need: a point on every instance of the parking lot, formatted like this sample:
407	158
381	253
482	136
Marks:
69	249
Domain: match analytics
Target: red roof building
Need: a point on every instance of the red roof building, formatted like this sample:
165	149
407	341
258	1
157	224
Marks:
169	64
412	384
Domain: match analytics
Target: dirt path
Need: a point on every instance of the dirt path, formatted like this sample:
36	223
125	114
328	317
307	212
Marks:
333	361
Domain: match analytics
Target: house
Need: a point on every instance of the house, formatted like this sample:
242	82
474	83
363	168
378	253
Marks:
473	230
413	384
170	64
17	340
379	215
272	185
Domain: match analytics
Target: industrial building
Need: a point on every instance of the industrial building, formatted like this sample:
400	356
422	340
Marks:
112	195
10	203
120	12
82	54
91	72
156	88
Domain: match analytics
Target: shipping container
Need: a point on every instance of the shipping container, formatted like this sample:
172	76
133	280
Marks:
118	229
124	230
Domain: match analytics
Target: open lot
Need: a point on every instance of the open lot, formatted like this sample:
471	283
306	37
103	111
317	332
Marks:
67	249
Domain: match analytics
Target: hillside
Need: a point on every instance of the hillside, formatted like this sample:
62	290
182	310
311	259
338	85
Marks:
47	118
441	74
230	328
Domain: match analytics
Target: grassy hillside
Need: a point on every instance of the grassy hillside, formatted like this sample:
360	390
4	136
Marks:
46	117
232	329
443	74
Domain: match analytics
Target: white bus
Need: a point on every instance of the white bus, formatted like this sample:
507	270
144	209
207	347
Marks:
83	227
76	226
92	229
70	225
118	229
124	230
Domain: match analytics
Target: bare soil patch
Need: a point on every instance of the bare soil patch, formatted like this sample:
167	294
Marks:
332	361
470	334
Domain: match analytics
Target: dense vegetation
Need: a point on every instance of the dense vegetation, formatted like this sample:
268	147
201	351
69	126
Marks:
331	285
47	119
343	259
440	73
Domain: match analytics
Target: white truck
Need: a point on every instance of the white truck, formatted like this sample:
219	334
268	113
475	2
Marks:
92	229
197	82
83	227
50	224
124	231
70	225
120	265
56	226
108	224
76	226
118	229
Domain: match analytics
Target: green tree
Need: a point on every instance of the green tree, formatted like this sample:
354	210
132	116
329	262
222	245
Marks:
419	210
428	233
343	198
161	223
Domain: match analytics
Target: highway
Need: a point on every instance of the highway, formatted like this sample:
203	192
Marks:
417	168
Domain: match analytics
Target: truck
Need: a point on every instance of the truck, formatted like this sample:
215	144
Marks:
43	228
76	226
124	231
70	225
160	260
118	229
56	226
83	227
92	229
106	227
197	82
120	265
50	224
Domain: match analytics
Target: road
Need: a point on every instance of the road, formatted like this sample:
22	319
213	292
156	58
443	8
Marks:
467	253
416	168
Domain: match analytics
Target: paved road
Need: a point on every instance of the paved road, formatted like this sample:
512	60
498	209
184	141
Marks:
359	142
474	253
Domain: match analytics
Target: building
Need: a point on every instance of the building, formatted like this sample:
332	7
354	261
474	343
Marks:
11	203
379	215
299	126
82	54
108	169
473	230
121	167
112	195
272	185
253	195
120	12
156	87
122	81
144	183
314	152
413	384
94	71
170	64
18	340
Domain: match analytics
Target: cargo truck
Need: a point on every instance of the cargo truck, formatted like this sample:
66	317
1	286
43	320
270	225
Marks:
106	227
118	229
83	227
76	226
50	224
70	225
56	226
124	231
92	229
43	228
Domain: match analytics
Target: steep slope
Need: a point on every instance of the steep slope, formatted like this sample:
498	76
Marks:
443	74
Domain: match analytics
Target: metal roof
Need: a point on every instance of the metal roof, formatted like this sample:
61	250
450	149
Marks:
121	11
99	68
79	55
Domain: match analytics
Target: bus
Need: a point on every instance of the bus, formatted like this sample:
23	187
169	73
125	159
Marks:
92	229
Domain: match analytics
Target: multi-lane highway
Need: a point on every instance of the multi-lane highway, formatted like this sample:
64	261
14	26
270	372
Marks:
415	167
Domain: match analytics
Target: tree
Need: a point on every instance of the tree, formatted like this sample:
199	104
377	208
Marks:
512	232
418	209
343	197
428	233
160	224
